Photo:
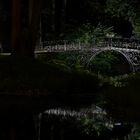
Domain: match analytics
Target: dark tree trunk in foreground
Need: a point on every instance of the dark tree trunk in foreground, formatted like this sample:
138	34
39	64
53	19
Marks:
34	22
24	38
16	25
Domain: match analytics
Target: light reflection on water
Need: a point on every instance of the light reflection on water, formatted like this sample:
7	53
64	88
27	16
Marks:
62	114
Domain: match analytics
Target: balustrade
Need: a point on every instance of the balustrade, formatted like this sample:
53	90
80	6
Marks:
129	48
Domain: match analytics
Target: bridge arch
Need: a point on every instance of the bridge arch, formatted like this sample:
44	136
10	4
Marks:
97	52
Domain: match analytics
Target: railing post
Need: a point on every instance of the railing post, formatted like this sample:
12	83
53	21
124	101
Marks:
79	43
111	42
65	46
56	47
41	45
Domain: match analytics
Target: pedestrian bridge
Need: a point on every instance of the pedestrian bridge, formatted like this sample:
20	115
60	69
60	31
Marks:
129	48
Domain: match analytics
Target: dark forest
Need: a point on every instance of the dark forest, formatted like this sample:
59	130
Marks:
69	69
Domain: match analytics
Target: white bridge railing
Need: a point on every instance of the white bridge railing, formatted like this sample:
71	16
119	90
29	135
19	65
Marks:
58	46
66	45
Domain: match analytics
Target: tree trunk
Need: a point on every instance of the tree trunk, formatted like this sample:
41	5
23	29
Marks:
34	21
24	38
16	25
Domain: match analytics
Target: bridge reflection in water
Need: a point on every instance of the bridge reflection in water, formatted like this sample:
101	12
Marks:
62	124
129	48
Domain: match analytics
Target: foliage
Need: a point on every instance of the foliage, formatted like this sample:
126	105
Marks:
122	98
126	9
136	31
115	81
103	63
91	34
121	8
96	122
119	81
134	135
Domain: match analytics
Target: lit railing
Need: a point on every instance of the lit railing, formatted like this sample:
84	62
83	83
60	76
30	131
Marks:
70	45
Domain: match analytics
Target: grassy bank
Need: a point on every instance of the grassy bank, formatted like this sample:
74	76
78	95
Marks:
34	77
